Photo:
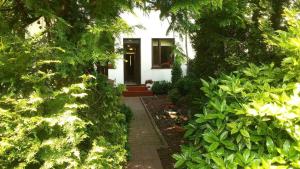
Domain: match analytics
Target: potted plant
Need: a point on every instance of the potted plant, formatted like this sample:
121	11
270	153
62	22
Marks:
149	84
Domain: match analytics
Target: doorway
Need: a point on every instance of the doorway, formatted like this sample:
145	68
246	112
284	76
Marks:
132	61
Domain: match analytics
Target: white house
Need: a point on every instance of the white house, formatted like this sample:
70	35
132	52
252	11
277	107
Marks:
148	51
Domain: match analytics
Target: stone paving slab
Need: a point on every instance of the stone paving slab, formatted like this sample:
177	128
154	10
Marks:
143	139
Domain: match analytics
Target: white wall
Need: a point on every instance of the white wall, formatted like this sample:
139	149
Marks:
35	28
153	28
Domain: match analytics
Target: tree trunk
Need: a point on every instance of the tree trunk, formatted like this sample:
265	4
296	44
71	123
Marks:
186	46
277	15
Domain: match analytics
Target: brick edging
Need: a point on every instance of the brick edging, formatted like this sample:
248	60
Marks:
161	137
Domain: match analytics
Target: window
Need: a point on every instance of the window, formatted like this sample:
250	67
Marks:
162	53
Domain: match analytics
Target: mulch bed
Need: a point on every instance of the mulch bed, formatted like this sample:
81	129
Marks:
170	123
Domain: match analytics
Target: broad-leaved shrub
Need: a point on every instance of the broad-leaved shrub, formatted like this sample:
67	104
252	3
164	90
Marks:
251	118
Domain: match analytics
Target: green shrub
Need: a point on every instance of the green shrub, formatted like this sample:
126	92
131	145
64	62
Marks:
56	110
185	92
185	85
251	118
174	95
161	87
53	114
128	115
182	88
127	112
176	72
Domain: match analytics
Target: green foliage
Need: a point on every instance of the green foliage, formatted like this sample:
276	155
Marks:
185	92
181	12
174	95
128	117
185	85
227	43
176	72
251	118
48	121
76	14
161	87
226	35
127	112
56	109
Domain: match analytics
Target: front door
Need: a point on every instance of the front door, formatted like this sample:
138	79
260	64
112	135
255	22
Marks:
132	65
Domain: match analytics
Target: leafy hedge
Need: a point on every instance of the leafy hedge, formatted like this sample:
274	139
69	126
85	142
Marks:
252	117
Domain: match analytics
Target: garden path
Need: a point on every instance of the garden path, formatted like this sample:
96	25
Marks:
143	140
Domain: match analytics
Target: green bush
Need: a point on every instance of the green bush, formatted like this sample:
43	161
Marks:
185	85
161	87
174	95
128	116
48	121
127	112
184	93
251	118
56	110
176	72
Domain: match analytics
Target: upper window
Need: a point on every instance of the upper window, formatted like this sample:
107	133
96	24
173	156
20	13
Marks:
162	53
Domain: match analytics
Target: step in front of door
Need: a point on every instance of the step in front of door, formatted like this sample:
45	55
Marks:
137	88
135	91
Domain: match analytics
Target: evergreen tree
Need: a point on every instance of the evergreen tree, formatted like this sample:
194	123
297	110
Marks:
56	111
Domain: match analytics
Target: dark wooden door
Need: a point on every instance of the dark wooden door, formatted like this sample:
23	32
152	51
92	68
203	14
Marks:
132	62
129	65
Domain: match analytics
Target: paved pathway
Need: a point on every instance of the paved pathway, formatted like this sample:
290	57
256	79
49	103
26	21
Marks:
143	139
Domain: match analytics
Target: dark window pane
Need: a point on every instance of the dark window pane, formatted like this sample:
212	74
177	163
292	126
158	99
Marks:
155	56
166	54
155	53
162	52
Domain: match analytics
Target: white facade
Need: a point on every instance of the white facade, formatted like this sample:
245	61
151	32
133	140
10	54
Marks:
35	28
153	27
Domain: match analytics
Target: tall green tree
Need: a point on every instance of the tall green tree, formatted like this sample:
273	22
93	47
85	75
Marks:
226	34
56	109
